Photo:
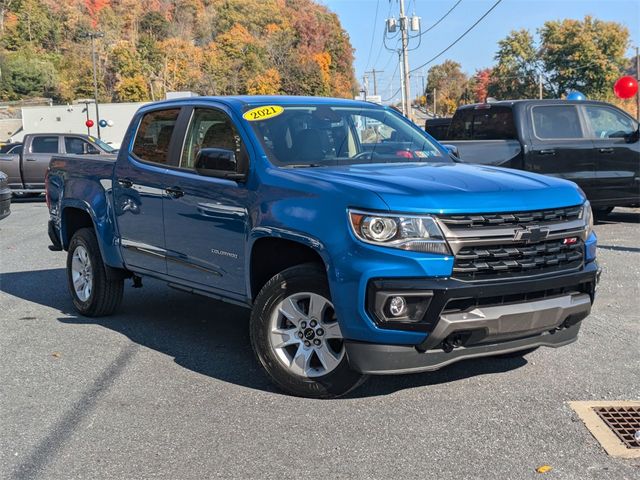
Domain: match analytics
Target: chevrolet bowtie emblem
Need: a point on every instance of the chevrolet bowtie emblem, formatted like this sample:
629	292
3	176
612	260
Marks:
531	234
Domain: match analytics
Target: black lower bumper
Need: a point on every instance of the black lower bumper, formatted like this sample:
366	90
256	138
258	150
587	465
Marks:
394	359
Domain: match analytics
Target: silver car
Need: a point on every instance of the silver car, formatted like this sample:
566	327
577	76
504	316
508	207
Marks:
5	196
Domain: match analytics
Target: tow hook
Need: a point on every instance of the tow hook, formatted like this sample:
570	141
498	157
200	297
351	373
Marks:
137	281
451	342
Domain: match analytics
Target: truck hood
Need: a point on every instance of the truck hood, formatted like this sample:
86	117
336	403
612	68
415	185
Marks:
452	188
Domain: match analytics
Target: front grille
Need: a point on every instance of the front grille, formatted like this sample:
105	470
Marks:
518	219
477	263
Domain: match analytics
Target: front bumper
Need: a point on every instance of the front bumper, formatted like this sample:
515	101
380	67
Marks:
487	328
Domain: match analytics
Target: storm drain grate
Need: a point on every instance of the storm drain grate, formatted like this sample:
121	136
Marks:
624	422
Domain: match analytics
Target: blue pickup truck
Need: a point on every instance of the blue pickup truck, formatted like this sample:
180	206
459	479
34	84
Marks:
361	245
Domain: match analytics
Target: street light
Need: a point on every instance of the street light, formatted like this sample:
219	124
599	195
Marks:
93	36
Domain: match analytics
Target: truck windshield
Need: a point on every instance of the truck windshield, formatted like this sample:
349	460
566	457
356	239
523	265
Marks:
321	135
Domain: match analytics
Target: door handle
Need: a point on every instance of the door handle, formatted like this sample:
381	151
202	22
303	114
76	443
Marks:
605	150
175	192
31	159
549	151
125	182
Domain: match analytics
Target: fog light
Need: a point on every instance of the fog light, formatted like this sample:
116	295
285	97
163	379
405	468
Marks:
397	306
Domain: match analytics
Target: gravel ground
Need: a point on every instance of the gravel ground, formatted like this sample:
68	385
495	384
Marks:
168	388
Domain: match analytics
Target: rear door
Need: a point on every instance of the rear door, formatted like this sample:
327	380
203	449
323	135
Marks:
36	157
140	180
559	145
617	155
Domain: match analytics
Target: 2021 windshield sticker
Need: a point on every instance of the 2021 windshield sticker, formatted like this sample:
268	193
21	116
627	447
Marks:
262	113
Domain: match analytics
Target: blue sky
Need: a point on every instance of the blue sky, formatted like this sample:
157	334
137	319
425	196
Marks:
477	48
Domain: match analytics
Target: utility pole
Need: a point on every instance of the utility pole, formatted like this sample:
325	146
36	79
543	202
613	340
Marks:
365	87
405	23
375	82
405	61
92	36
540	86
435	104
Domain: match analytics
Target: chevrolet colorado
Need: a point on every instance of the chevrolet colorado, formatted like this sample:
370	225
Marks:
361	245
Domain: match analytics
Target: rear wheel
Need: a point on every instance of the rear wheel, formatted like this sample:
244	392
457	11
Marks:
296	336
94	293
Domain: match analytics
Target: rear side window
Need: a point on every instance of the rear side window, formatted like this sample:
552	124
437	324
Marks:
460	128
79	146
556	122
44	145
495	123
154	135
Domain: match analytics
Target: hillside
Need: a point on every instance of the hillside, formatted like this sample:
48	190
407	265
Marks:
214	47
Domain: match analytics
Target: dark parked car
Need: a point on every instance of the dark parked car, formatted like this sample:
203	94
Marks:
437	127
594	144
5	197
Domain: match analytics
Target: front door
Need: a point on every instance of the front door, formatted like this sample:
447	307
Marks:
139	188
206	217
617	155
559	146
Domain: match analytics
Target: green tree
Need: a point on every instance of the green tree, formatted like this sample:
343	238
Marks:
586	55
516	72
27	76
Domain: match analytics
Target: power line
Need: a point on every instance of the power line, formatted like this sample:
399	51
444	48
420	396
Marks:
459	38
373	34
439	20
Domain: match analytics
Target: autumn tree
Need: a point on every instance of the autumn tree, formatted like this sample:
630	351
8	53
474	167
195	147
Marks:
450	84
585	55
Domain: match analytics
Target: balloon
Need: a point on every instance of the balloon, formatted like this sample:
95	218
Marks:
89	123
576	95
110	123
102	123
625	87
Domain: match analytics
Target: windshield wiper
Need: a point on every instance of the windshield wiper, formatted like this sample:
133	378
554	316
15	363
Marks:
303	165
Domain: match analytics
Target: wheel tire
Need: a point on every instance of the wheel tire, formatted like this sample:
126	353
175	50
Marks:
105	293
602	212
518	354
301	280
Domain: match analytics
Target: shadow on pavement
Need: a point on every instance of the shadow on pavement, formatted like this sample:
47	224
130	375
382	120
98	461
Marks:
626	215
207	336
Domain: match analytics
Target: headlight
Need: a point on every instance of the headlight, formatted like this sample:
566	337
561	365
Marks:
587	216
415	233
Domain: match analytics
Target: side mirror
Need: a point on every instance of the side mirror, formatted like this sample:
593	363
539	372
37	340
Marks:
218	162
453	150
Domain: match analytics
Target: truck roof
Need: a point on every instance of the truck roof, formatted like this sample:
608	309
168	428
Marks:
244	100
549	101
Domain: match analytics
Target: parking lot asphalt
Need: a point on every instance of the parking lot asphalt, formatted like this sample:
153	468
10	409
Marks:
169	388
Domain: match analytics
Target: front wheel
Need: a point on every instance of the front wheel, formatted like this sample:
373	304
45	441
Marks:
296	336
94	293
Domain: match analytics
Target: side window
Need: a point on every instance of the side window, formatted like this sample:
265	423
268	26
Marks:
79	146
17	150
210	128
460	128
44	145
495	123
372	131
608	123
556	122
154	135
